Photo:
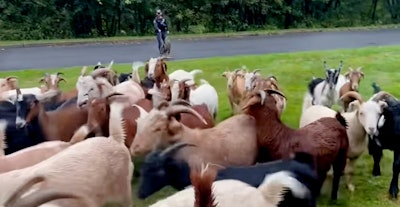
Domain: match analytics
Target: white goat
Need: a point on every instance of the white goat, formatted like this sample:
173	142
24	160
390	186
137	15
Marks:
205	93
234	193
98	169
89	87
182	75
362	119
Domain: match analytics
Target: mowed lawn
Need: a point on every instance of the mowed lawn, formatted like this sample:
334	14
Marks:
293	71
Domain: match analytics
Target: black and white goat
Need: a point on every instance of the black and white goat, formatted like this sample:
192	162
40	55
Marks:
387	137
163	168
325	91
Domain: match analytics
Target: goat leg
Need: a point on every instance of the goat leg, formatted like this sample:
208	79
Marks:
377	154
338	169
394	188
349	172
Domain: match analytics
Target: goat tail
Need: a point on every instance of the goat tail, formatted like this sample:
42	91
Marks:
117	124
195	72
202	184
276	185
3	144
341	119
80	134
135	70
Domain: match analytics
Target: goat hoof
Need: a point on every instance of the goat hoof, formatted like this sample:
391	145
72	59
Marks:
393	193
351	187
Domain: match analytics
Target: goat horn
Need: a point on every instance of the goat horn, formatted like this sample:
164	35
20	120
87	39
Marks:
83	71
352	95
9	77
181	102
162	105
256	70
174	148
176	109
184	80
258	97
272	91
340	65
111	63
359	68
59	73
113	94
61	79
43	196
382	95
351	69
272	77
325	65
237	70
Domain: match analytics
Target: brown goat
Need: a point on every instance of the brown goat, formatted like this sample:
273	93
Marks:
355	77
326	139
156	69
59	124
99	116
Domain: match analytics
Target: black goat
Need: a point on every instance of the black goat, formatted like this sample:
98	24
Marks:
388	137
161	169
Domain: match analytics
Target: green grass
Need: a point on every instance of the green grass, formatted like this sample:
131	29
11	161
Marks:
293	71
125	39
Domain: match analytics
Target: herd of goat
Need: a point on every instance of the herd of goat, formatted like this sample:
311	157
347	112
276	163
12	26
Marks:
77	148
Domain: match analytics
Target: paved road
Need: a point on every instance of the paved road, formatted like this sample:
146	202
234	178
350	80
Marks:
77	55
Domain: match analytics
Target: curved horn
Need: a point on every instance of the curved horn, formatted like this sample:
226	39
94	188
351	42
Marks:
59	73
162	105
9	77
256	70
352	95
61	79
272	91
257	97
42	196
100	72
176	109
174	148
184	80
181	102
113	94
382	96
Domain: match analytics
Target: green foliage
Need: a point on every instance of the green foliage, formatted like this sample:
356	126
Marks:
60	19
293	70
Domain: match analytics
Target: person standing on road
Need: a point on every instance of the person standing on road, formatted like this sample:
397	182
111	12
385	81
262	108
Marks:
161	29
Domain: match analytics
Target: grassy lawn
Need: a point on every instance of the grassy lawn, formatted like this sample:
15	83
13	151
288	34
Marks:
124	39
293	71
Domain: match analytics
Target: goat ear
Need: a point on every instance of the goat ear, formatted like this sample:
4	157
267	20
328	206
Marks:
41	80
382	104
347	75
353	106
165	68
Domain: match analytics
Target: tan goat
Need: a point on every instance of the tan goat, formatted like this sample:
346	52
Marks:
236	88
231	142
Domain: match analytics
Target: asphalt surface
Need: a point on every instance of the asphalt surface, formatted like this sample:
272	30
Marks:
42	57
